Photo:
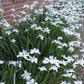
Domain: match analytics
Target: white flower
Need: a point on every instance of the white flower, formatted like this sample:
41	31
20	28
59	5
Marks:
55	61
33	59
78	82
47	18
1	62
63	62
68	75
12	9
74	43
34	26
39	28
82	50
42	68
67	31
63	82
12	62
1	10
74	76
15	63
35	2
50	0
23	12
71	49
23	54
36	11
12	15
57	42
40	11
70	71
26	76
75	56
32	81
69	59
6	24
46	30
60	38
14	20
18	15
83	55
76	63
13	40
0	37
15	30
32	51
51	60
46	61
26	6
60	47
41	36
81	62
55	68
26	30
78	36
23	19
8	32
64	44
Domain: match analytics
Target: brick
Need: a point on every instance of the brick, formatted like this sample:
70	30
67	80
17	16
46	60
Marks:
5	5
8	4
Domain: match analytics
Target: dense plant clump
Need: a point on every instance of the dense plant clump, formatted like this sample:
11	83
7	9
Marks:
40	47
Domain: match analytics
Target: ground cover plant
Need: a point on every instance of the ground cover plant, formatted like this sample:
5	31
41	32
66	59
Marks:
40	47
